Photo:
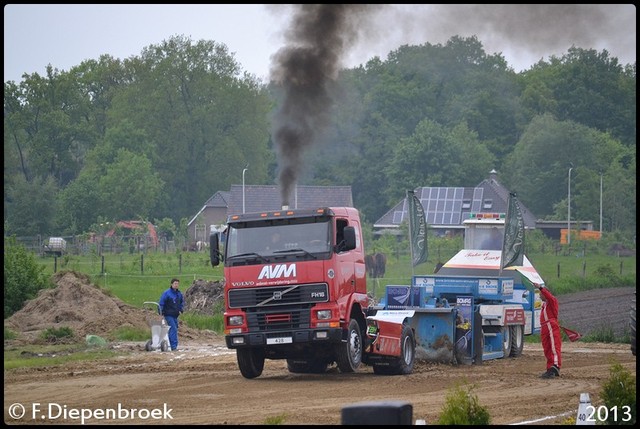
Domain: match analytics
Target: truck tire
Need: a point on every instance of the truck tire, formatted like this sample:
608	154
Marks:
517	340
632	324
250	361
506	340
404	364
349	353
312	366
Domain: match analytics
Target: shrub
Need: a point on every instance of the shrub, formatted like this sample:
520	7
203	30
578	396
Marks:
53	335
9	334
462	408
619	394
23	276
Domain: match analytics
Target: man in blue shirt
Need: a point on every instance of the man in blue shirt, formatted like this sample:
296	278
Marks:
171	305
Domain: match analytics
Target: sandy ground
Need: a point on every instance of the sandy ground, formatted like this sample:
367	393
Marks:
202	385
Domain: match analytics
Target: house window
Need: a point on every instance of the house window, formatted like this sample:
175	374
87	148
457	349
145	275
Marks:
487	204
466	204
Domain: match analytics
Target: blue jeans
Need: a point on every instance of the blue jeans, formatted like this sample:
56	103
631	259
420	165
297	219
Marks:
173	332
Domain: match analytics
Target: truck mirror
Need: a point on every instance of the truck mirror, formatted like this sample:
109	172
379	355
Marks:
214	249
349	238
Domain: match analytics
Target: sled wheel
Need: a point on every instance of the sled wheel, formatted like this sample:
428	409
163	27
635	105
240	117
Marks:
164	346
147	346
517	340
506	340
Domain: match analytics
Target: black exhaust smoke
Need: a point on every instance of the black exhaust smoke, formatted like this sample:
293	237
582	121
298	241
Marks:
319	36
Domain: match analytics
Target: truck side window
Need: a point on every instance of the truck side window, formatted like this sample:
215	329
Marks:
340	224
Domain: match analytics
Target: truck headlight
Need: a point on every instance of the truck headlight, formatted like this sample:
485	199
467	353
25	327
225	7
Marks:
235	320
324	314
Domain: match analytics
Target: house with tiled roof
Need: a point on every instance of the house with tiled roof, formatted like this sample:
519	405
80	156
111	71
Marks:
256	198
447	207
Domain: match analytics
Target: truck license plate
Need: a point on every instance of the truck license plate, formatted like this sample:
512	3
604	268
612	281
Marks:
280	340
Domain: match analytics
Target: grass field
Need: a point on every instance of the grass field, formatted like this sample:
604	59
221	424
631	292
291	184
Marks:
136	278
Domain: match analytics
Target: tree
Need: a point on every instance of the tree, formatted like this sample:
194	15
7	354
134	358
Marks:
30	206
539	165
130	188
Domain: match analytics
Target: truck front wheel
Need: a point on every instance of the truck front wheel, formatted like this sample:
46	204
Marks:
250	361
349	353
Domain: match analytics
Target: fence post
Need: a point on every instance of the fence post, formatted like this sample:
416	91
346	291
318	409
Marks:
180	263
558	269
620	267
55	264
102	266
142	263
584	269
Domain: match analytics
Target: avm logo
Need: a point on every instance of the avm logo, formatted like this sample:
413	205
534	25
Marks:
277	271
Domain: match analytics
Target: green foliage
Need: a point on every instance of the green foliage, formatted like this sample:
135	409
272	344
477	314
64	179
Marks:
191	119
601	334
9	334
130	333
199	321
275	420
463	408
619	391
166	227
52	354
23	276
53	335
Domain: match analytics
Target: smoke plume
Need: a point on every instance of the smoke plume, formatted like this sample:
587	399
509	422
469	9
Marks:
316	42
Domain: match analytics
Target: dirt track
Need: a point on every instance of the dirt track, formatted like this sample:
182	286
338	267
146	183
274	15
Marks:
202	385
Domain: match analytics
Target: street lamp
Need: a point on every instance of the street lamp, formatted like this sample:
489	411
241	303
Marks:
600	205
569	208
243	171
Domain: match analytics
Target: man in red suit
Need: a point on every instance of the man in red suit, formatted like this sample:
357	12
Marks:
550	332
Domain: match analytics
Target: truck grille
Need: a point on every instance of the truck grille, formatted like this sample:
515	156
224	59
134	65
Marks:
279	319
278	295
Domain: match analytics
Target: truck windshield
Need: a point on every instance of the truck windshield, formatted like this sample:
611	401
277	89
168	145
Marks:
271	239
484	237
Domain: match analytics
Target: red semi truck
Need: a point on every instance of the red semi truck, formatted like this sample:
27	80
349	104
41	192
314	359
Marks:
295	289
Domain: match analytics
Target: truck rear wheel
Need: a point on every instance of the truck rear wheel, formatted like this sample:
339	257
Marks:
349	353
250	362
517	340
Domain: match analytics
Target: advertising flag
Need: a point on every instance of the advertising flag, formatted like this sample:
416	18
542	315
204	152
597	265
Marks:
417	229
513	243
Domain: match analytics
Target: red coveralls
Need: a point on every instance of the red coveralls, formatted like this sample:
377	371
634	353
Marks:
550	329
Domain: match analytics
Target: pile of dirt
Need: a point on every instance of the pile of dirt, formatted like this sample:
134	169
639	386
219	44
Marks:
204	297
86	309
78	304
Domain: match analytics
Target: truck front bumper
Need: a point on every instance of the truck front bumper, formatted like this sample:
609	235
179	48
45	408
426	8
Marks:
305	336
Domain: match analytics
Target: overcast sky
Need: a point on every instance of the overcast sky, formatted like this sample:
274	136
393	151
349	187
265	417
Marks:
36	35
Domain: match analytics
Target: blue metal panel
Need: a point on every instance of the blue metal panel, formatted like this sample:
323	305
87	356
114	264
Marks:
435	334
